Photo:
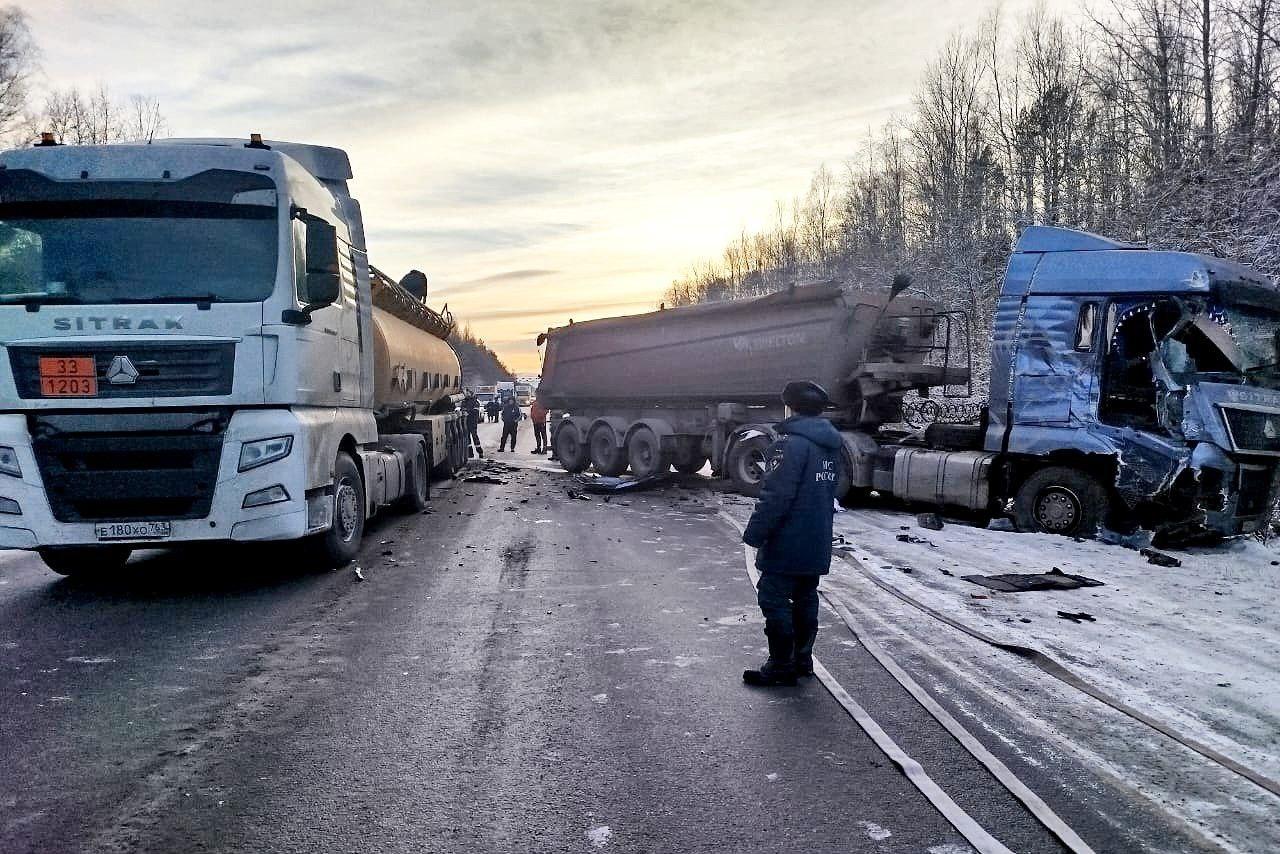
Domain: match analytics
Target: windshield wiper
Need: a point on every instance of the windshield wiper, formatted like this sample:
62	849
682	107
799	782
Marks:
38	299
196	298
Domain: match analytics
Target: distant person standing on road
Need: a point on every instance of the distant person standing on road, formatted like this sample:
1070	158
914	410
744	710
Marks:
471	412
511	416
791	531
538	416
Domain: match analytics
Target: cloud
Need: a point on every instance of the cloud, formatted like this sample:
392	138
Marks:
604	144
578	310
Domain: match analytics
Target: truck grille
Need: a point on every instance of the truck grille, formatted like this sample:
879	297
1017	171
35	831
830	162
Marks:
164	370
1255	490
129	467
1253	432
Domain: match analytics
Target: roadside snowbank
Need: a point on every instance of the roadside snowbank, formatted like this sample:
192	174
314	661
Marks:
1197	646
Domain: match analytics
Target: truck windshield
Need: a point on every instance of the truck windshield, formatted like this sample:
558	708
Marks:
134	250
1256	333
1227	340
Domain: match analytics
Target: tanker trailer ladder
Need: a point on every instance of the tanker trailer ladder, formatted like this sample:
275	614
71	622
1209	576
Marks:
974	833
1058	671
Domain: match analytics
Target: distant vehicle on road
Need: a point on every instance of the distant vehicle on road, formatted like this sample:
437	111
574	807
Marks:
486	393
524	394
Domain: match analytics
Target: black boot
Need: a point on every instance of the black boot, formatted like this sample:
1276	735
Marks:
805	636
779	669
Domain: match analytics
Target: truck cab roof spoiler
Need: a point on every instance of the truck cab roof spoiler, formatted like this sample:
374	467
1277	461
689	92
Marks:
1047	238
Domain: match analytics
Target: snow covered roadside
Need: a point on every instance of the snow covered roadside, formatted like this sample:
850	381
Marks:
1196	646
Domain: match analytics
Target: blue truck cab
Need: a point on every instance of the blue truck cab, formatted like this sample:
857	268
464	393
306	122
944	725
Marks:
1132	386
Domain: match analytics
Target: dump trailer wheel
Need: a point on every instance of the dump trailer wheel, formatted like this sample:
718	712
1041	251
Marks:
607	458
570	448
339	545
644	451
748	464
415	497
85	560
1061	500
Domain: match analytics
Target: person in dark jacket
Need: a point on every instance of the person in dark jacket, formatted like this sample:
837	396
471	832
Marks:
791	532
492	408
511	416
471	412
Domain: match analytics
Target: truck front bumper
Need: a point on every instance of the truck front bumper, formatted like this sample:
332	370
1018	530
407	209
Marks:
34	524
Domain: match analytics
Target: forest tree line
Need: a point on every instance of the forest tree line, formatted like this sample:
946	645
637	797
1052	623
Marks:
1153	121
73	115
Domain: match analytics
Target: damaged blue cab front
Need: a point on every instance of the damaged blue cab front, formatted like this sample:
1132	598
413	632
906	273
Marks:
1158	371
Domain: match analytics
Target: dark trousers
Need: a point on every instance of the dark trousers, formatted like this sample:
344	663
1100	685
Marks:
540	435
789	604
508	430
474	435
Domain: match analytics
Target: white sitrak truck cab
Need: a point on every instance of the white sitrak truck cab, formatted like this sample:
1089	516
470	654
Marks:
196	348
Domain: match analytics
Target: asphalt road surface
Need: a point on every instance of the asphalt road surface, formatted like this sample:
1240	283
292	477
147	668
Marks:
520	671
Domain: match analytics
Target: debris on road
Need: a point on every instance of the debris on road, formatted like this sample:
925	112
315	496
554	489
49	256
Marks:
359	574
915	541
484	478
931	521
1015	582
1078	617
1159	558
602	485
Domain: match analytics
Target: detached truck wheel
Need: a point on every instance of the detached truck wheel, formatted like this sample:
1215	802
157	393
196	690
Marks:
85	560
1061	500
570	448
338	546
748	464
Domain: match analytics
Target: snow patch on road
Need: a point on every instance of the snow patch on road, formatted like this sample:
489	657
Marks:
82	659
875	831
600	836
599	699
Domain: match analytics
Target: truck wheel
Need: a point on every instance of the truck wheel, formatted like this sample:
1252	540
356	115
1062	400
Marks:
644	452
85	560
570	448
415	497
748	463
608	459
1061	500
338	545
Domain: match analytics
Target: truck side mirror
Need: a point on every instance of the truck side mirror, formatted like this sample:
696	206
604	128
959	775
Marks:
322	282
323	288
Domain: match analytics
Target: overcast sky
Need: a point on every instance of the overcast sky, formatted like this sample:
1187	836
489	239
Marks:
538	160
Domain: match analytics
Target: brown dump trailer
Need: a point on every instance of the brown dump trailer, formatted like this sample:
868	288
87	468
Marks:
685	386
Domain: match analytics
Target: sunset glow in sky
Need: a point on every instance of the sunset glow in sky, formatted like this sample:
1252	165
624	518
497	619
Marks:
538	160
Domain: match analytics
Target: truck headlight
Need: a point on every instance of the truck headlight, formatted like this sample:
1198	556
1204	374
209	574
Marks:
263	451
9	462
270	495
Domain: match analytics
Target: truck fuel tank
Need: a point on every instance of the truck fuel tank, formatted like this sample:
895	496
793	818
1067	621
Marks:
946	478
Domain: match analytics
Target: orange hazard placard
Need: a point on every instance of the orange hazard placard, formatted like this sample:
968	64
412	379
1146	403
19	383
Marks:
67	376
